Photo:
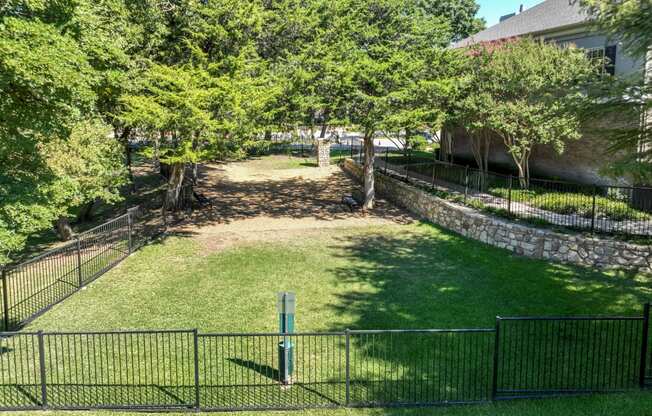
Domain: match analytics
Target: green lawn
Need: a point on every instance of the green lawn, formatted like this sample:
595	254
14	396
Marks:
408	276
400	276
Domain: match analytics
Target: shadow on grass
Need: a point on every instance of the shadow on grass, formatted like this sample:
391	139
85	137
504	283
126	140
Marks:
427	278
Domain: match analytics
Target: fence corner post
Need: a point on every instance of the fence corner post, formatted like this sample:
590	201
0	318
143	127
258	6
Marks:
130	229
347	369
196	362
5	299
644	344
494	375
41	360
79	264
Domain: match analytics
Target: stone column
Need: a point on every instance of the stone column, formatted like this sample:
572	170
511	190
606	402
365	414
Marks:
323	152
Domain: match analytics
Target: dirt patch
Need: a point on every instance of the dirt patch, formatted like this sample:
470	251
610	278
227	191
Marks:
251	202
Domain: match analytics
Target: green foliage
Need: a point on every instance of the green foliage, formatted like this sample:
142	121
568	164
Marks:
461	15
527	92
569	203
629	21
55	152
618	105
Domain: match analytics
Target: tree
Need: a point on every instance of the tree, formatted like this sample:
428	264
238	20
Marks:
470	106
88	167
460	13
535	89
175	103
386	47
46	90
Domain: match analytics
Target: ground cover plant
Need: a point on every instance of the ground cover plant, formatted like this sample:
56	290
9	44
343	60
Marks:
574	203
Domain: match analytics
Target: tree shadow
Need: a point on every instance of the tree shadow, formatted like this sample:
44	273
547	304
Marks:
429	278
292	198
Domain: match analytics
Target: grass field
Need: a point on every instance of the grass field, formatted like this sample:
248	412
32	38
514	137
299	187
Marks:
360	277
403	276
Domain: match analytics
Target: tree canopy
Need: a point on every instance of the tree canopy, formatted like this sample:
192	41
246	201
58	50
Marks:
201	80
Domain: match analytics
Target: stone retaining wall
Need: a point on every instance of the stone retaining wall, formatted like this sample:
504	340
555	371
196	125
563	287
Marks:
520	239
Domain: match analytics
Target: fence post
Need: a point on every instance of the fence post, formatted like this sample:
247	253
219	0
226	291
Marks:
509	195
494	376
351	147
41	362
79	265
434	173
196	361
466	182
644	342
347	368
5	299
386	158
130	225
593	210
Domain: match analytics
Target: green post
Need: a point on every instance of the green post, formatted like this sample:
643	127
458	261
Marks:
286	306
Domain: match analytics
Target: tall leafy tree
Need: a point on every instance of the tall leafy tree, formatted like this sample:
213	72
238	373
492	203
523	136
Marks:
48	89
536	90
460	13
388	44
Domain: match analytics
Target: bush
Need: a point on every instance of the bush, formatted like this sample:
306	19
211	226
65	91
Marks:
568	203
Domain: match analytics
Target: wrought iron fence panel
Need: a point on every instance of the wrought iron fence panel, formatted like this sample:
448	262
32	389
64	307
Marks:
420	367
120	369
539	357
242	371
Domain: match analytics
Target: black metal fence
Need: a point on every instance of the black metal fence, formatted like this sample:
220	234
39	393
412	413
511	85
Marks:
183	369
596	208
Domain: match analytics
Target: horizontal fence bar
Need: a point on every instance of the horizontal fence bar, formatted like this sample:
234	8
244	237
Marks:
571	318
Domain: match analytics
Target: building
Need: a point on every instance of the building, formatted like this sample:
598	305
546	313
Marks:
563	22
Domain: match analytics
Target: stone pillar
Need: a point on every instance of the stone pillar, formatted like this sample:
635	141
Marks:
323	152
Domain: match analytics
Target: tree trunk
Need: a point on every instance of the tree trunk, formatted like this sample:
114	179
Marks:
195	173
124	138
175	182
322	134
369	156
480	146
64	230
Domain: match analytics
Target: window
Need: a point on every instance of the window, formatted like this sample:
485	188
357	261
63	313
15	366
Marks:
606	57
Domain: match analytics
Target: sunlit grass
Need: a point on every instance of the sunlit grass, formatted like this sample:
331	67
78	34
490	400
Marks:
413	276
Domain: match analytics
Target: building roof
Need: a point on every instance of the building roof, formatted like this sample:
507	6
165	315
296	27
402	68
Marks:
546	16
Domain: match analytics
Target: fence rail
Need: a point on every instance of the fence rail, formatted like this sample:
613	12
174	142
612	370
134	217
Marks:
183	369
605	209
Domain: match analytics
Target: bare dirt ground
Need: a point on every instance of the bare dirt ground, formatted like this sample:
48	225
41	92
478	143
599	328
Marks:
255	200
